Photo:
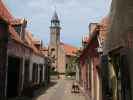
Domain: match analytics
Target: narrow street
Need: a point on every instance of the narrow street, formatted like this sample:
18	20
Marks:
66	49
60	91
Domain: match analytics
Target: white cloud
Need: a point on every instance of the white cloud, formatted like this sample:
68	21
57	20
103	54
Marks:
75	15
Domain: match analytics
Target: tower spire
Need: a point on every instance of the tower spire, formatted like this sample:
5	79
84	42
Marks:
55	16
55	8
55	22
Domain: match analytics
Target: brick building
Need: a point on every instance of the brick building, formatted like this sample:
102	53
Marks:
22	61
90	64
119	47
93	66
61	52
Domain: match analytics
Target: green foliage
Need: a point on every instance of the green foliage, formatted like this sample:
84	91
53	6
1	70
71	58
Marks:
71	67
70	74
52	72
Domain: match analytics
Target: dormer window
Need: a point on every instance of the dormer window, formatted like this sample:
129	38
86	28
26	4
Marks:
52	49
18	29
20	26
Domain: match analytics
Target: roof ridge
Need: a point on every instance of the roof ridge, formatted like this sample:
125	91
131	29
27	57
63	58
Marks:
62	43
5	11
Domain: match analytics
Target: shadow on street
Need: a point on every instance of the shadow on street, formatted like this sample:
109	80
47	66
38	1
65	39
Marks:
41	90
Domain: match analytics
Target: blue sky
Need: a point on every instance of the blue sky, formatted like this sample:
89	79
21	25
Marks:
75	16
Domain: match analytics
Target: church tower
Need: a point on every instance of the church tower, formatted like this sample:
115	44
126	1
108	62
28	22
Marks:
55	30
54	39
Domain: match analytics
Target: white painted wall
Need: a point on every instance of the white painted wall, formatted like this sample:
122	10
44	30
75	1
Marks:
38	60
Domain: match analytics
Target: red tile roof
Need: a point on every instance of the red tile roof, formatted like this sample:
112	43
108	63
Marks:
14	34
7	16
29	39
4	12
31	42
70	50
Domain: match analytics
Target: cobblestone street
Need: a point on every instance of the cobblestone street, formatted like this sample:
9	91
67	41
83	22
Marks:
60	91
66	49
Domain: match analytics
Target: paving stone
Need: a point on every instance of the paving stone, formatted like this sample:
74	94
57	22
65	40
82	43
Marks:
61	91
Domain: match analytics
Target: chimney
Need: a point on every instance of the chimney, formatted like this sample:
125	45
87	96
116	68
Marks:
23	27
41	44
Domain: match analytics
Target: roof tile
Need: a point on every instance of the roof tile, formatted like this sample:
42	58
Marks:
70	50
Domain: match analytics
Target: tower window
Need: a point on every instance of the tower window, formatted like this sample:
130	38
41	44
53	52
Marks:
53	49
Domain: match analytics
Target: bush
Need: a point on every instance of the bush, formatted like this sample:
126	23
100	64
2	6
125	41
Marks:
54	73
70	74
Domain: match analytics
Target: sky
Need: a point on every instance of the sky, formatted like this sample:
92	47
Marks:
75	16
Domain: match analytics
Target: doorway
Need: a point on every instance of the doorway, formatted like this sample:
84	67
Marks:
123	77
35	73
41	73
26	72
13	76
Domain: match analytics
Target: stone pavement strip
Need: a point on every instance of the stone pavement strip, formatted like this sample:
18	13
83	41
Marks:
61	91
